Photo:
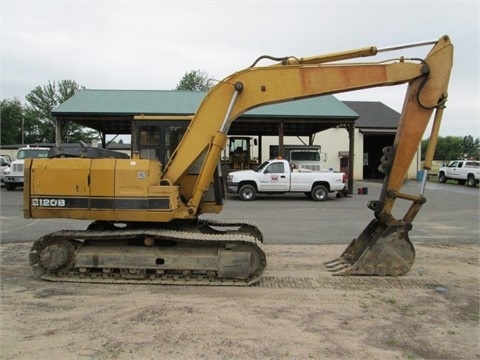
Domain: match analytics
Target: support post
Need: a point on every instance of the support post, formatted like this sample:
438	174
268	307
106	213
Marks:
280	140
58	133
351	155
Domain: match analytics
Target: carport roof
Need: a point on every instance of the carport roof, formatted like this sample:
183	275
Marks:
112	111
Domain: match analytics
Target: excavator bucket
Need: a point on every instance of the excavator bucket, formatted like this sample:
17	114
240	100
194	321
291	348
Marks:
381	249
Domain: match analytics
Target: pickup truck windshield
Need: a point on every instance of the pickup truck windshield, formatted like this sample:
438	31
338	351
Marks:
32	153
261	167
305	156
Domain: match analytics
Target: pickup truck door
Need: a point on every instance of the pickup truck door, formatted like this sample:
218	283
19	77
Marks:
275	177
453	170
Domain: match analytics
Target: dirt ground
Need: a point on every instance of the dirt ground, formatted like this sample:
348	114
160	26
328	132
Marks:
297	311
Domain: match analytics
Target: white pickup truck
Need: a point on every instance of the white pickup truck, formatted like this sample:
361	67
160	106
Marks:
13	175
464	171
277	177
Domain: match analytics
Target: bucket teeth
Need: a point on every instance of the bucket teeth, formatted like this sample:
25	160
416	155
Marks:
335	263
339	267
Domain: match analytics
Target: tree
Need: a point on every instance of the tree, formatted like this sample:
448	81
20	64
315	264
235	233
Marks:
454	147
18	123
30	126
194	80
12	115
471	148
44	99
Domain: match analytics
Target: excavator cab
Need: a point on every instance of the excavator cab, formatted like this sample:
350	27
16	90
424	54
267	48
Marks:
157	137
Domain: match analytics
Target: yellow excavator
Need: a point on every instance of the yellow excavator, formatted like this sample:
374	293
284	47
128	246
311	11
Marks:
145	215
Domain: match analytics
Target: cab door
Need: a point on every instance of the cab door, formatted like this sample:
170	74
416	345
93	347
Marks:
453	170
158	139
275	178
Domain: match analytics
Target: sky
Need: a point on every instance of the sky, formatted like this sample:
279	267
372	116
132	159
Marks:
138	45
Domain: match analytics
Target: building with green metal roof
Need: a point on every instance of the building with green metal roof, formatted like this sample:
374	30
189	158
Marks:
112	111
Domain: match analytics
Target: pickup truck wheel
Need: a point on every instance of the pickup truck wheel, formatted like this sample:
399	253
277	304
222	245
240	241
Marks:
471	181
247	193
319	193
10	186
441	178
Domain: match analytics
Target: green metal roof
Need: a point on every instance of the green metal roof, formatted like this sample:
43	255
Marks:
112	111
131	102
164	102
326	106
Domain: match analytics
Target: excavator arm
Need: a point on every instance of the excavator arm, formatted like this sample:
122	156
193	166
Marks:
299	79
383	248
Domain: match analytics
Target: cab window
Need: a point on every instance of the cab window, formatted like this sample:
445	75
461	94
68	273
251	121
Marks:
276	168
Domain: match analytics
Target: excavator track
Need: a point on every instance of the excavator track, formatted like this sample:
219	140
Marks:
233	256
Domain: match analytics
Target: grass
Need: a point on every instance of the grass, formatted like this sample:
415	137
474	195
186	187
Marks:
473	316
392	342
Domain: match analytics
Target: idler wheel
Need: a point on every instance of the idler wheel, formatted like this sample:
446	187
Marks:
57	256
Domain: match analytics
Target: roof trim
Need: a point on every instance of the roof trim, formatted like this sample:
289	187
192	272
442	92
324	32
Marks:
378	131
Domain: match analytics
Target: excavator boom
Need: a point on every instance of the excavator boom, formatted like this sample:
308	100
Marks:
161	240
254	87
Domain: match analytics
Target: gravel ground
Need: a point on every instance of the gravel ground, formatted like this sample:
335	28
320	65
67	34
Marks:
297	311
